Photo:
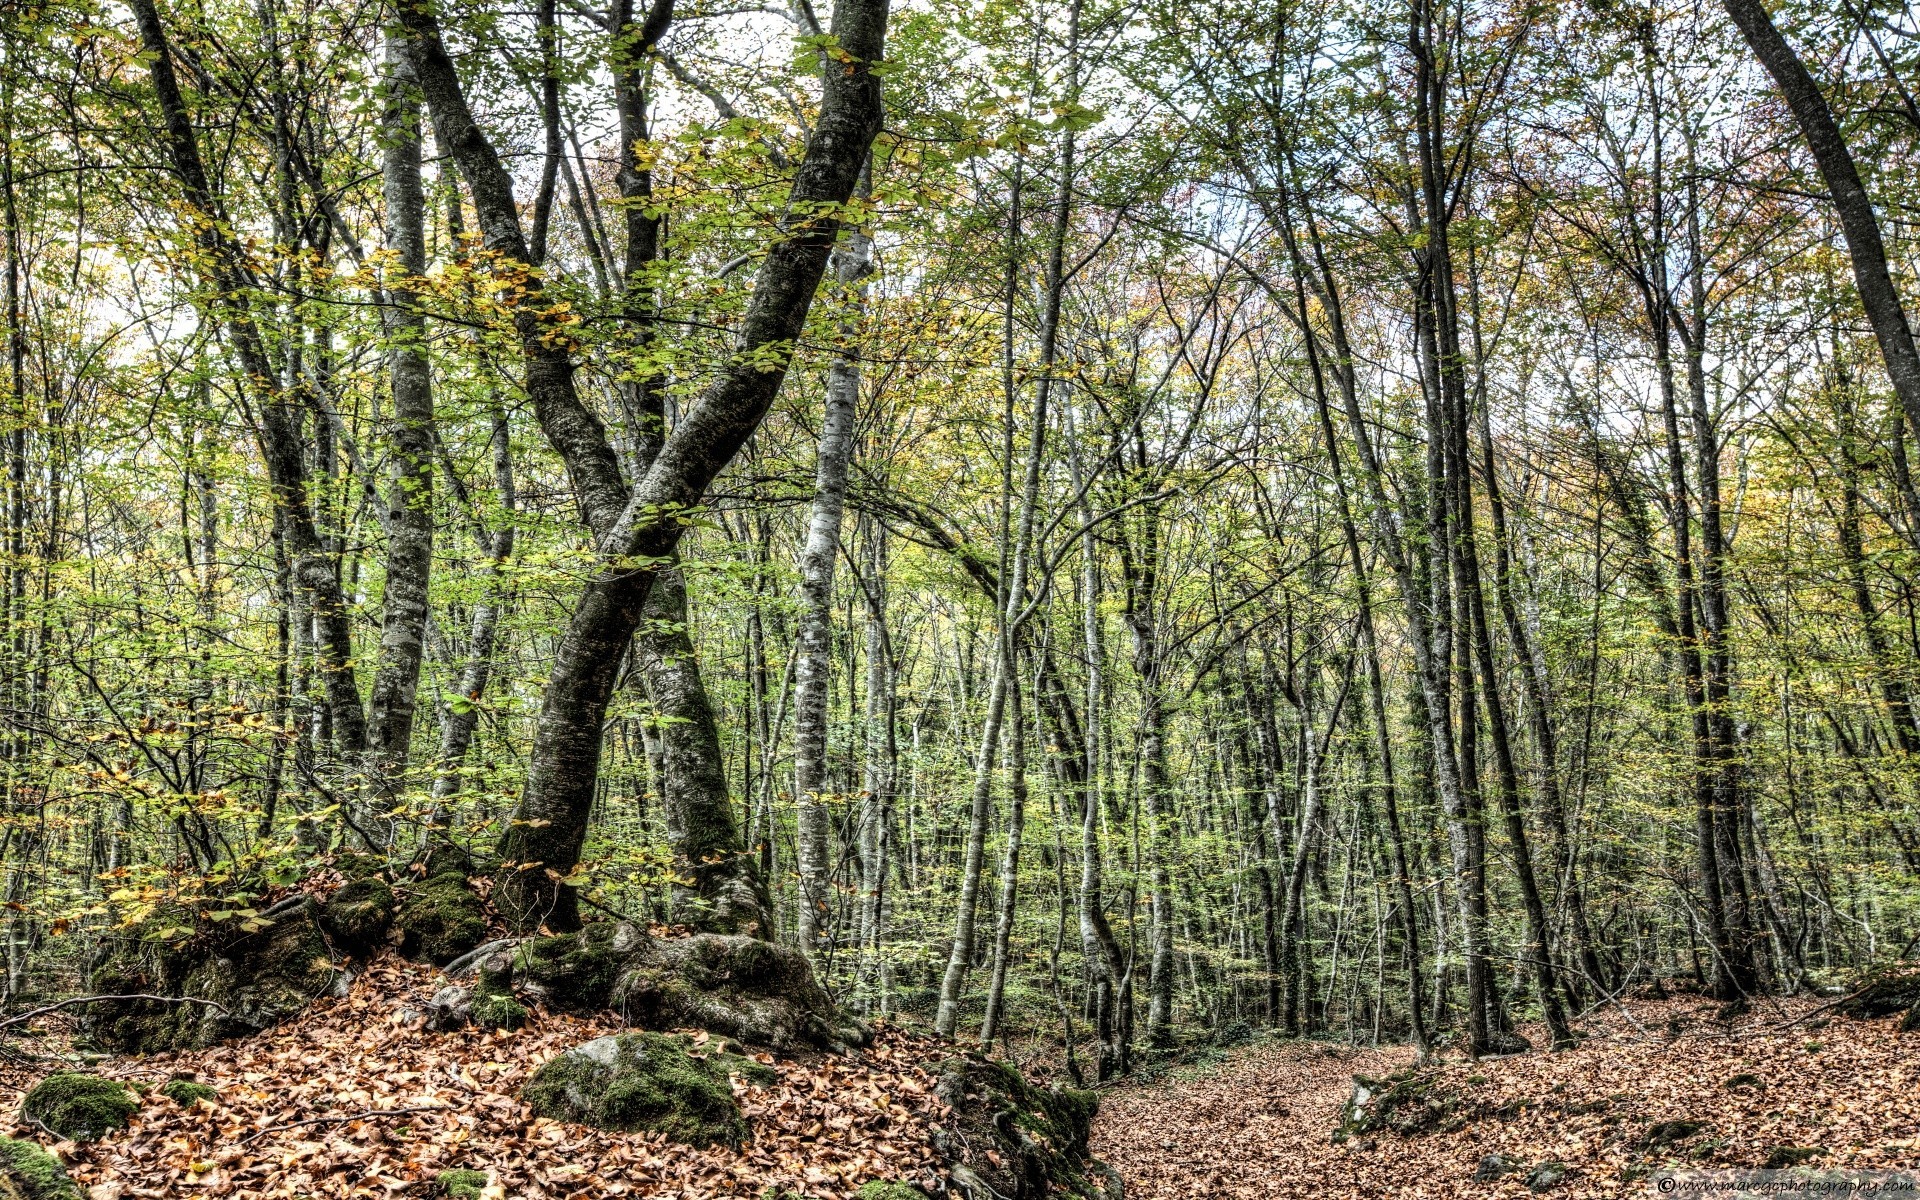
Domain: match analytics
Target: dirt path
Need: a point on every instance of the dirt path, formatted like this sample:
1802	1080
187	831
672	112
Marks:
1255	1126
1673	1088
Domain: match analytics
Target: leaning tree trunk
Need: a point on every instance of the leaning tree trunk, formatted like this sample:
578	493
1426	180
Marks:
1865	248
643	524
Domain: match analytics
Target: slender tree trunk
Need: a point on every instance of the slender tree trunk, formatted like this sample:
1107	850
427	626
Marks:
403	622
814	662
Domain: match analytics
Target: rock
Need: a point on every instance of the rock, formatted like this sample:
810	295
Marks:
1020	1140
1405	1102
462	1185
29	1173
249	980
878	1189
185	1092
733	985
358	915
441	858
1885	992
1546	1176
441	919
1781	1157
78	1108
646	1081
1666	1133
451	1008
1492	1168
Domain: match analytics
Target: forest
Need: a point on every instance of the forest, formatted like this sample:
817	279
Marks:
1102	526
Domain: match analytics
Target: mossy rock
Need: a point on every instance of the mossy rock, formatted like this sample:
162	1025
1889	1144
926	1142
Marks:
1663	1134
649	1082
880	1189
441	858
1406	1102
441	919
462	1185
577	971
1022	1140
29	1173
80	1108
1782	1157
244	982
738	986
185	1092
358	915
1887	991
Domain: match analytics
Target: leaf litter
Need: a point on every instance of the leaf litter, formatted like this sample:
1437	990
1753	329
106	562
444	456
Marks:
353	1098
1672	1087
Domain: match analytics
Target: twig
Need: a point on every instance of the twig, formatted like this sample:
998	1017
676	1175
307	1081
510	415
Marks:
372	1112
24	1017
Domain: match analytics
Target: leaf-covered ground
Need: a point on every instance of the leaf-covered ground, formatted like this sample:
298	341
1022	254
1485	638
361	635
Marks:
1772	1085
351	1099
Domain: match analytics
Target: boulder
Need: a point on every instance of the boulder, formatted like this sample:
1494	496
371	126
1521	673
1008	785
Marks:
441	919
79	1108
654	1082
29	1173
1014	1139
231	984
739	987
1405	1102
357	916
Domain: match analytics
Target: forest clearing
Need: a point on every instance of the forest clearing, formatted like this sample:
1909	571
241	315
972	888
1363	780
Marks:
843	599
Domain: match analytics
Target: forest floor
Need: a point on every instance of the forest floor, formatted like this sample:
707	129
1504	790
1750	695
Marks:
1668	1086
351	1098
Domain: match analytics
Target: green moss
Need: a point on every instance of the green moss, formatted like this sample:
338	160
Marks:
879	1189
578	970
33	1173
641	1081
441	920
185	1091
495	1011
358	916
79	1107
1405	1102
462	1185
1781	1157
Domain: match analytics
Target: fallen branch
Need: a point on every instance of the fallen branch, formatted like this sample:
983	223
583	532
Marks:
24	1017
342	1118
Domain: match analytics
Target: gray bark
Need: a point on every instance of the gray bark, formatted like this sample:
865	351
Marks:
403	618
814	656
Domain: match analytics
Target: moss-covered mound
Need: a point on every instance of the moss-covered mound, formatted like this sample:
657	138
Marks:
235	983
1884	992
29	1173
736	986
185	1091
654	1082
1405	1102
78	1107
441	919
357	916
492	1005
462	1185
1022	1141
